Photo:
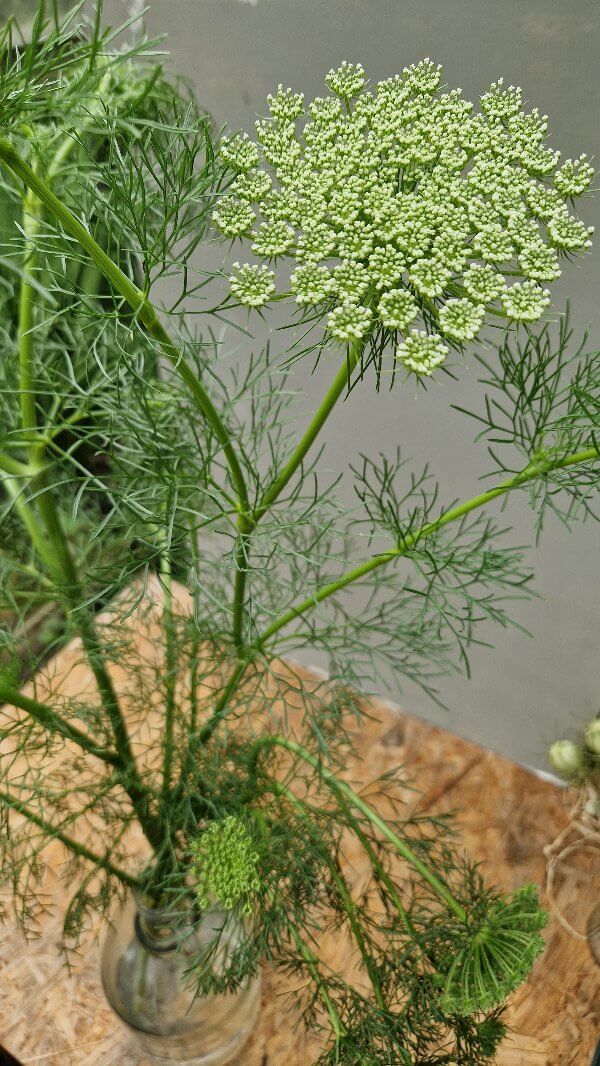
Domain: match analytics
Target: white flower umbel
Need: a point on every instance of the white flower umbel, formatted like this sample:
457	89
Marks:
311	284
461	320
252	285
404	189
574	176
350	321
422	352
525	302
397	309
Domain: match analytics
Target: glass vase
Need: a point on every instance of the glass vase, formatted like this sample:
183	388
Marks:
146	956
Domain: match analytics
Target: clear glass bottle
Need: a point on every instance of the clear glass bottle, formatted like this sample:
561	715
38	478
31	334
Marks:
145	956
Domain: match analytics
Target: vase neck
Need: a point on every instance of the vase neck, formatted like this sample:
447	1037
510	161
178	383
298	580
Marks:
160	929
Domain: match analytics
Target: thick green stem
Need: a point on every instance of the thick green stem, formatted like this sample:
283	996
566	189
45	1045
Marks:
340	787
137	300
452	515
340	382
73	845
14	467
53	722
48	536
71	589
31	225
170	668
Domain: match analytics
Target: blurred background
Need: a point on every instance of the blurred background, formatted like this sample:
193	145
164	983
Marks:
525	691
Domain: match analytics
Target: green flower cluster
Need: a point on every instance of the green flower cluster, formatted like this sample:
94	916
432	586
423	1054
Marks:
225	865
497	956
403	190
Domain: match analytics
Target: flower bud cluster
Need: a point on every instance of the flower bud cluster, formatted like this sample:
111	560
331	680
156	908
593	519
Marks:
397	202
578	761
225	865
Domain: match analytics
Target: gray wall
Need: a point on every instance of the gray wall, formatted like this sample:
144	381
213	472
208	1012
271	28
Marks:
526	691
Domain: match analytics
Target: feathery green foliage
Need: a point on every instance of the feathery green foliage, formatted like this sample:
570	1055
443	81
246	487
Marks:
147	436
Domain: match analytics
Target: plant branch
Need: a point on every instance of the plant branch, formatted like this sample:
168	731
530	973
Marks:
340	382
31	225
30	520
246	524
129	777
351	911
54	547
13	466
242	563
344	894
170	667
53	722
312	963
452	515
73	845
221	705
138	302
530	473
340	787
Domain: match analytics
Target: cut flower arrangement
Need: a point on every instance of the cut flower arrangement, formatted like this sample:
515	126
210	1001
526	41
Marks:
412	221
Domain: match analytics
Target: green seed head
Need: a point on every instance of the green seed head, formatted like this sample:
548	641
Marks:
225	865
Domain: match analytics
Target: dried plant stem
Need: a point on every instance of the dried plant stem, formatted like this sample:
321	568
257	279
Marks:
581	831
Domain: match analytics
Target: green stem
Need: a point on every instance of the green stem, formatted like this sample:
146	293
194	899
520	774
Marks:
382	875
13	466
343	893
452	515
73	139
79	849
130	778
31	225
51	541
351	911
247	524
312	963
221	706
340	382
170	668
195	651
341	788
53	722
307	954
32	524
137	300
239	589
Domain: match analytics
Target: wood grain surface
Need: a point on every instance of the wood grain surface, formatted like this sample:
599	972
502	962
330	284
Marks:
53	1016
